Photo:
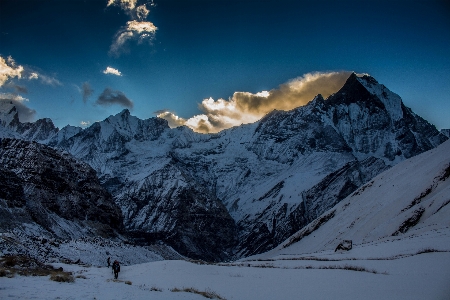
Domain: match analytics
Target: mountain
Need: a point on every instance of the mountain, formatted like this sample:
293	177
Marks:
52	191
244	190
446	132
408	205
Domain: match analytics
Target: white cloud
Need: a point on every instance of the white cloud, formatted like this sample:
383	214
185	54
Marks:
110	70
33	75
134	30
8	69
85	123
245	107
13	97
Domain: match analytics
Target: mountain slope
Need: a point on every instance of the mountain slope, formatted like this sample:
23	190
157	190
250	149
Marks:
53	190
410	201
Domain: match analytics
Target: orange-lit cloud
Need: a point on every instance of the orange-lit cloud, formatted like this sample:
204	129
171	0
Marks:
127	5
9	69
172	119
245	107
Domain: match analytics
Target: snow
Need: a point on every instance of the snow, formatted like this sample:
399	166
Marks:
391	100
410	265
422	276
374	212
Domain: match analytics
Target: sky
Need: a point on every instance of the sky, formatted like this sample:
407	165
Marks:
215	64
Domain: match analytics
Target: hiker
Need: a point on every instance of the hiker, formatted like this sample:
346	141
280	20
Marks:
116	268
109	261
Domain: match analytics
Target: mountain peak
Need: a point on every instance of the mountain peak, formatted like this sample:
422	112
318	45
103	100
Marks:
366	88
125	111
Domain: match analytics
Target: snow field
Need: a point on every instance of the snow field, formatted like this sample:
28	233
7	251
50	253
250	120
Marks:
422	276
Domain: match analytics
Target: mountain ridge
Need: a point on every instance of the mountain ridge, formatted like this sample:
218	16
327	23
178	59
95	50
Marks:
273	176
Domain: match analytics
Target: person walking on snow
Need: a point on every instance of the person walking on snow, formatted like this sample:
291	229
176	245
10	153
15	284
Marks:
116	268
109	261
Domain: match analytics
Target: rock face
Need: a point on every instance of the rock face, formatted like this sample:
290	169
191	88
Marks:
54	190
244	190
446	132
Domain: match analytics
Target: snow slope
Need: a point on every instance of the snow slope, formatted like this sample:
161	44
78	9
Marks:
410	201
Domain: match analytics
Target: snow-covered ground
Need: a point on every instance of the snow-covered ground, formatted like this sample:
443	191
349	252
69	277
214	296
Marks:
420	276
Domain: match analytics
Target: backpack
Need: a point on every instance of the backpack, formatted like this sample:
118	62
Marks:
116	266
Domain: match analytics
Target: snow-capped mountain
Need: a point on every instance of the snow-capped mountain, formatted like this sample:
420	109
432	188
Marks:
406	204
246	189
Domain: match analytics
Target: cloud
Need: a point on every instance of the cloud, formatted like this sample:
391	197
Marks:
110	70
110	97
49	80
8	69
33	75
134	31
20	89
138	29
245	107
85	123
126	5
142	12
86	91
139	12
26	114
172	119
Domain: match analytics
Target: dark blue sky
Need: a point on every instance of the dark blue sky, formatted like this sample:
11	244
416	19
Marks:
204	49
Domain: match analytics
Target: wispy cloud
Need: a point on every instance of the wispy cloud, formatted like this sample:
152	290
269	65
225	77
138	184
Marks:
9	69
86	91
13	86
48	80
112	71
33	75
138	29
110	97
20	89
245	107
26	114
